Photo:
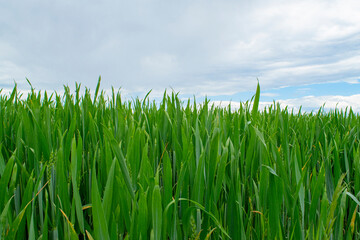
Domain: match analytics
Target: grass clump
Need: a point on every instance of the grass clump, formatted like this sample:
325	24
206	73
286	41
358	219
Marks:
77	167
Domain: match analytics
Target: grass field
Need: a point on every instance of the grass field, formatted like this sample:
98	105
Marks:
93	167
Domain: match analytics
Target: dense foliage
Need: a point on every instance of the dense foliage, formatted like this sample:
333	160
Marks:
76	167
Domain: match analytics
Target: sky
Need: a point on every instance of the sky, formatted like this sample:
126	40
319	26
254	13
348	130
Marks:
302	52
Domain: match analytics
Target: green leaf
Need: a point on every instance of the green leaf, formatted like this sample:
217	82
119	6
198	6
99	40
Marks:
4	214
99	220
45	229
216	221
15	225
108	193
353	198
156	212
254	111
167	177
5	178
73	235
143	216
119	155
78	204
97	89
32	227
272	171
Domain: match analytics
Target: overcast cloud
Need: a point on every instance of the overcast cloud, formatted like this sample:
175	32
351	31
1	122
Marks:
307	103
196	47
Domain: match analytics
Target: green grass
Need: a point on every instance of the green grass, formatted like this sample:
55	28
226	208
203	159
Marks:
82	167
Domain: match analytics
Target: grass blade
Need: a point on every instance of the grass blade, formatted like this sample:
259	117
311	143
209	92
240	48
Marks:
100	224
156	212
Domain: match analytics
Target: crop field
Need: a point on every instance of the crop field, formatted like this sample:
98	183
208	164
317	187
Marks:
82	166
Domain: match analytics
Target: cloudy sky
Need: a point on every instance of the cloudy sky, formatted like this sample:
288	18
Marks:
303	52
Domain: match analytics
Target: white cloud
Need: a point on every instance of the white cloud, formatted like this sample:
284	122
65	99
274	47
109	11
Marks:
331	102
160	64
307	103
269	94
10	72
354	80
196	47
309	72
299	42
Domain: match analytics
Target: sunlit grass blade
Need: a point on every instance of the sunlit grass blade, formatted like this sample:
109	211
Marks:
100	224
254	111
119	155
156	212
108	193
